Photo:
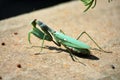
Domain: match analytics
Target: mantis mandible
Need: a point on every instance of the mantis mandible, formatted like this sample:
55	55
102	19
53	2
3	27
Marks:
59	38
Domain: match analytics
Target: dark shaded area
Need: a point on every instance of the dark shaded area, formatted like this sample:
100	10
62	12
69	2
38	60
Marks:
56	48
0	78
10	8
85	53
80	55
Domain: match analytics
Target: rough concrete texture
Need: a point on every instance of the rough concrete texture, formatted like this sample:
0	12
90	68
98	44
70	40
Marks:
17	59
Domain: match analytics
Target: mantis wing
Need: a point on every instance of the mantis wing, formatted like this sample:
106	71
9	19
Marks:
69	41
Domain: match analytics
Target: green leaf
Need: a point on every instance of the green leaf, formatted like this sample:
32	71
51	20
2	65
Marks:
89	3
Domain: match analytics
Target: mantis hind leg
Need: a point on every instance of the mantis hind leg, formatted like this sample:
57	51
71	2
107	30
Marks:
74	58
100	49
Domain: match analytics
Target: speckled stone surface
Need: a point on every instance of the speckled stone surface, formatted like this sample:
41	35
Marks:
17	59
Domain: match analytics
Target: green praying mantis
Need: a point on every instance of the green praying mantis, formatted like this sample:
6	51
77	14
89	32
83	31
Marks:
60	38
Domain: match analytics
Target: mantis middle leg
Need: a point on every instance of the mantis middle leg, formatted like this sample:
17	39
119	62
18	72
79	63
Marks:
41	45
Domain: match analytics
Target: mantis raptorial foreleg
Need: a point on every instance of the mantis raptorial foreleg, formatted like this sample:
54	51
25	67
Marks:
100	49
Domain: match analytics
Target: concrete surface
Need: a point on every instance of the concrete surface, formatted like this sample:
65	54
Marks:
17	59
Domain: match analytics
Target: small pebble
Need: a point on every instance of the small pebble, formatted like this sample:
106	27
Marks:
113	67
15	33
3	44
19	66
0	78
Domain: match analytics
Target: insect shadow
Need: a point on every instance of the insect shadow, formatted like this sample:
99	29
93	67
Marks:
92	57
80	55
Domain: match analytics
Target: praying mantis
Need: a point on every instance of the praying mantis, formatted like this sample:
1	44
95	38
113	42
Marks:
60	38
